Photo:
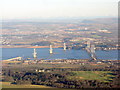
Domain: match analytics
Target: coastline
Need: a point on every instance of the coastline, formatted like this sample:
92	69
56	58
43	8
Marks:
27	46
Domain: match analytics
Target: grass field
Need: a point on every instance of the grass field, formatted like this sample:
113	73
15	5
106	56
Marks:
103	76
9	85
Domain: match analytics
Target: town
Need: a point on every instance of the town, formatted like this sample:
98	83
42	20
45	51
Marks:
74	33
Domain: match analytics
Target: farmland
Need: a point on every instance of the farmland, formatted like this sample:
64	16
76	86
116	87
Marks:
9	85
104	76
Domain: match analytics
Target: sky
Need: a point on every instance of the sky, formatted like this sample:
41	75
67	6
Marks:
25	9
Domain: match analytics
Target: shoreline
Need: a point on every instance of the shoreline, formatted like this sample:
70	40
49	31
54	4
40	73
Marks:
29	46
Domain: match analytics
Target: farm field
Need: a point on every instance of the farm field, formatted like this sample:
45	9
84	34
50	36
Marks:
9	85
102	76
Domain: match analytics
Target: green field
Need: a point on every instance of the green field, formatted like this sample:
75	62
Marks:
8	85
103	76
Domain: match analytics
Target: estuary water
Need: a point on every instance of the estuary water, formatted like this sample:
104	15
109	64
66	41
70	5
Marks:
58	53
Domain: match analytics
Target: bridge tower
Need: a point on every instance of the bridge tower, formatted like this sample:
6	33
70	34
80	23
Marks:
88	44
92	48
64	47
35	54
93	52
51	50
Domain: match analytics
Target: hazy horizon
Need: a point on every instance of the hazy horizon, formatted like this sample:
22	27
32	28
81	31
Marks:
38	9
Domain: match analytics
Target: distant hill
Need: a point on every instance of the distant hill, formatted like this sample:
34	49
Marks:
101	20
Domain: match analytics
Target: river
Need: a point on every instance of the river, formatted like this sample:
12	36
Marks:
58	53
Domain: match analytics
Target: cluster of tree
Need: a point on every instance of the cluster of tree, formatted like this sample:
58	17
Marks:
55	79
87	68
42	43
78	47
